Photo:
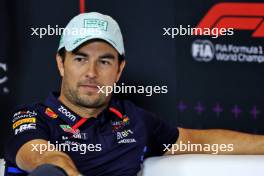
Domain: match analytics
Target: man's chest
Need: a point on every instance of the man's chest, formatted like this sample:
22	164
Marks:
113	146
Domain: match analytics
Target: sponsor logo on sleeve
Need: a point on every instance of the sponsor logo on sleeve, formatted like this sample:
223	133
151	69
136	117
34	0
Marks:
22	121
23	114
25	127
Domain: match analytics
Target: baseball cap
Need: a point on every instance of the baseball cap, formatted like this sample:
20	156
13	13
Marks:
92	25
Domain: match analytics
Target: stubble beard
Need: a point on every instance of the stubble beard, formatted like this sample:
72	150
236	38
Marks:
87	100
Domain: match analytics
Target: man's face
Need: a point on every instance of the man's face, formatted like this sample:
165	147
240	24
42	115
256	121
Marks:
94	64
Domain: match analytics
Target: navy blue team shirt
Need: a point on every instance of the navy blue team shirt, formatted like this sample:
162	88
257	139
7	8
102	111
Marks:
114	143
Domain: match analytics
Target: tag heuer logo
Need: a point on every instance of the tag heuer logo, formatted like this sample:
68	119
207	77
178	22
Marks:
95	23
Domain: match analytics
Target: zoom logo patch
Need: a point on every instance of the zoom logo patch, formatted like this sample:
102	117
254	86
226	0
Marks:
67	113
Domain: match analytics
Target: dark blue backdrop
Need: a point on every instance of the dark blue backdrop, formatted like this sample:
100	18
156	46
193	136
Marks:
201	94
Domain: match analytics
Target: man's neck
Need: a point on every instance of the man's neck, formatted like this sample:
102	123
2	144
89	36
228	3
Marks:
81	111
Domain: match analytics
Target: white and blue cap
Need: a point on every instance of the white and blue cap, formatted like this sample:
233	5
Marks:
88	26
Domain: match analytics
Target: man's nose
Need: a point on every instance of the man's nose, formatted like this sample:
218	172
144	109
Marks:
91	70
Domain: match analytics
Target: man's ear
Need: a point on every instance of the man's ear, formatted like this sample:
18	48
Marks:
120	70
60	64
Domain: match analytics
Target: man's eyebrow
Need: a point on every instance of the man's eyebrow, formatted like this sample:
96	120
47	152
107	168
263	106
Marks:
107	55
80	54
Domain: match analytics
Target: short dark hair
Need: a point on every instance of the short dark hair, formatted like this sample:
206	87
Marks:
62	51
62	54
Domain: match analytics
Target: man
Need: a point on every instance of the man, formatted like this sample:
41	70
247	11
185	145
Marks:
81	130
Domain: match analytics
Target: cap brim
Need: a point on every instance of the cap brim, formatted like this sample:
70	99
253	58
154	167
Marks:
109	41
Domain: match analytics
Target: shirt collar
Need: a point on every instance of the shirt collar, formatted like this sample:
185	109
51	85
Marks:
71	118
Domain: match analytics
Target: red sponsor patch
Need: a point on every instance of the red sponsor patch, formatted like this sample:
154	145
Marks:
50	113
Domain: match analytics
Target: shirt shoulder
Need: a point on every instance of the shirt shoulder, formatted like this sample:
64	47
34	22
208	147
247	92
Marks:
158	130
27	123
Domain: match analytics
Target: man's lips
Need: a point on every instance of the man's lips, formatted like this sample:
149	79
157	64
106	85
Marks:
89	86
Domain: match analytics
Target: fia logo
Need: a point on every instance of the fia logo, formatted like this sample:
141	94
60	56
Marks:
202	50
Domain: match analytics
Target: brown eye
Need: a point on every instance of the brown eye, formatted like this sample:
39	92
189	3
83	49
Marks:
105	62
79	59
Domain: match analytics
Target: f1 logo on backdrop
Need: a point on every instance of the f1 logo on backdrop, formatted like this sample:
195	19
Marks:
240	16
